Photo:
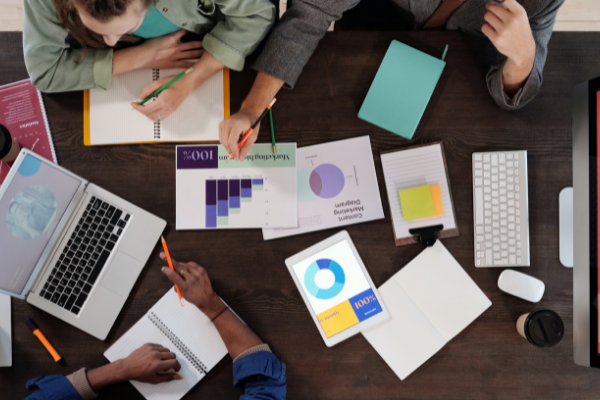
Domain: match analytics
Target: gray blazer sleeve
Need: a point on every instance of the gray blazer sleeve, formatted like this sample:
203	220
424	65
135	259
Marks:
541	27
296	36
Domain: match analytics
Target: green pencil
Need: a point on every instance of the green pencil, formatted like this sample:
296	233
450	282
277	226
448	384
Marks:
272	130
157	91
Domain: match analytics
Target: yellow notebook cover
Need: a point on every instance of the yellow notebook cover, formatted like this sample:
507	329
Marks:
86	113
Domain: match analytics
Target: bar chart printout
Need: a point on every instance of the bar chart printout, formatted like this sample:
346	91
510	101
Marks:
223	197
259	192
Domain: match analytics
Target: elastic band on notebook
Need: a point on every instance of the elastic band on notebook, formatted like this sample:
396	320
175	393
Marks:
445	51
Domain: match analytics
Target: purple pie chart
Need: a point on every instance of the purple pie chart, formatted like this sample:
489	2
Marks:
327	181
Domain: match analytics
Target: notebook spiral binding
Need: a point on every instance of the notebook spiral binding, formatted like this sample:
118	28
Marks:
155	77
178	343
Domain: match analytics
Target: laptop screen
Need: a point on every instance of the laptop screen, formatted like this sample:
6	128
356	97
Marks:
30	209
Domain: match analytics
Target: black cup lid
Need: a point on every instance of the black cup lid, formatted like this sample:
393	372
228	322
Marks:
544	328
5	141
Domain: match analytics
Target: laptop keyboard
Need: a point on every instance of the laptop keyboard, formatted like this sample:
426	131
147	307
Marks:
84	256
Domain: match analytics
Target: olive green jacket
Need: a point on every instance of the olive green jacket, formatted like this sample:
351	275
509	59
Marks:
233	30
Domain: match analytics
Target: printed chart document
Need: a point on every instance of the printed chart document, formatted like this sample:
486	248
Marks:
430	301
185	331
337	186
255	193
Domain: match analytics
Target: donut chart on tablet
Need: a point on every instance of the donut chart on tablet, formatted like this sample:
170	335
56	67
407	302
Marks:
324	293
325	181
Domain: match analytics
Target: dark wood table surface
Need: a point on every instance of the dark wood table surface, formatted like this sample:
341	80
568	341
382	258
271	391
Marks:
488	360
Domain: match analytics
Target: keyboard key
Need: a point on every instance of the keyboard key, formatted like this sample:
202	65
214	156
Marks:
127	217
104	206
70	302
86	240
97	204
62	300
55	298
110	212
93	214
67	290
121	224
98	268
114	238
119	232
75	310
42	293
101	213
76	290
48	295
81	299
116	217
94	227
87	288
97	235
110	246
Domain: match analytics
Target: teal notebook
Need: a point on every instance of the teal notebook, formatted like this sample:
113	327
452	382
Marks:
401	89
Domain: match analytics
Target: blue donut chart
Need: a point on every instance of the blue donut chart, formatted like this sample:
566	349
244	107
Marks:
335	289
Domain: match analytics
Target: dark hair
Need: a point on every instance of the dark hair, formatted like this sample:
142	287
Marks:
102	10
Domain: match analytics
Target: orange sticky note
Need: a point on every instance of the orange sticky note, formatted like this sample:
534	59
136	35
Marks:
436	195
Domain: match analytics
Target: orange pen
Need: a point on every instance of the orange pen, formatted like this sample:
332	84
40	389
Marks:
171	266
36	331
247	134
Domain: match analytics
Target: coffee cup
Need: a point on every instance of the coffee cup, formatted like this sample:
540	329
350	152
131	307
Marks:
9	148
541	328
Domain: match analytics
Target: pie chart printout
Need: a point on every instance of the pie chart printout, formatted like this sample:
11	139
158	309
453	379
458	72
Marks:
324	293
325	181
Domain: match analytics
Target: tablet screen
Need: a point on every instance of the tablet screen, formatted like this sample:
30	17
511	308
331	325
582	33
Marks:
337	288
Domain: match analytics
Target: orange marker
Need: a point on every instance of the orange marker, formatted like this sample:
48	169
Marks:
171	266
36	331
247	134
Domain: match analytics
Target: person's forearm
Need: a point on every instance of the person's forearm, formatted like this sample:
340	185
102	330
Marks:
236	335
204	68
263	90
106	375
514	74
127	60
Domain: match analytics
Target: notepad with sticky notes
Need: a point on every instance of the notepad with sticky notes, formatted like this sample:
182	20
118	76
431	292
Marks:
401	89
421	202
418	189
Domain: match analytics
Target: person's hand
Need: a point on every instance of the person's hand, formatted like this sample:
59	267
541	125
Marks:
195	287
169	52
167	101
149	364
507	26
232	129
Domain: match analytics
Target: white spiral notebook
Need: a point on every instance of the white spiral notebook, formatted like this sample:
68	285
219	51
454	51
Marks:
108	117
186	331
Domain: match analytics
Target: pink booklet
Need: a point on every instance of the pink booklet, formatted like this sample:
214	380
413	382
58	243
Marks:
22	112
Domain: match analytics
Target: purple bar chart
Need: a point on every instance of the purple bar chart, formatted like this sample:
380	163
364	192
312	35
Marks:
224	198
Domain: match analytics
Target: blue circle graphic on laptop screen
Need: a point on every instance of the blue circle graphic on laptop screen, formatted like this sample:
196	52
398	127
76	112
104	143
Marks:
29	166
328	292
31	212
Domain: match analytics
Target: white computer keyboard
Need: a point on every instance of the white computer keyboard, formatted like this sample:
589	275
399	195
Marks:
500	209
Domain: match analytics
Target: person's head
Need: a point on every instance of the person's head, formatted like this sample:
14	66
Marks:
111	19
101	23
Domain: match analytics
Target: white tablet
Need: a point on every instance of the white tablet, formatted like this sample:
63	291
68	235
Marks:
337	288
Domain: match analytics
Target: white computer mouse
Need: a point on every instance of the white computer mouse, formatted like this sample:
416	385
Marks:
521	285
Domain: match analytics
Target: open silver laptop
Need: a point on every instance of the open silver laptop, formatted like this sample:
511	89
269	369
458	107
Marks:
68	246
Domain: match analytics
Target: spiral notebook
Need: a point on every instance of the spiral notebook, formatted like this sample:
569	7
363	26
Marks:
108	117
186	331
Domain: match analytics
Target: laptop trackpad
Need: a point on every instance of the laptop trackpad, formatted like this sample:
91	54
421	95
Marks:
122	273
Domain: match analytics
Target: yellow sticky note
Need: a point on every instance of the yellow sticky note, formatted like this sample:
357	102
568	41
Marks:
416	203
436	194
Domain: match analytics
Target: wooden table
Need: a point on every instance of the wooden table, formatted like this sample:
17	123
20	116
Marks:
488	360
